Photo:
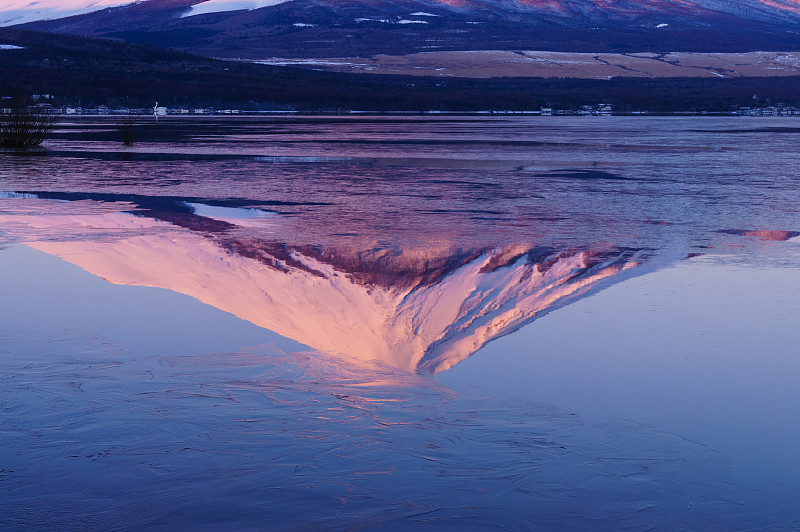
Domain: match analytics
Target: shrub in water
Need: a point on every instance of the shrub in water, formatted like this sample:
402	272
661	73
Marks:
24	126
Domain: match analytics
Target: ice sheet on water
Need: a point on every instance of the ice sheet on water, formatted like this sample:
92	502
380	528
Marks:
97	437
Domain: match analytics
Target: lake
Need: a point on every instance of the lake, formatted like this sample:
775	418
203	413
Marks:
402	323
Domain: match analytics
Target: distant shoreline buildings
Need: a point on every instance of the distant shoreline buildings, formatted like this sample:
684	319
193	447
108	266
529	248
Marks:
599	110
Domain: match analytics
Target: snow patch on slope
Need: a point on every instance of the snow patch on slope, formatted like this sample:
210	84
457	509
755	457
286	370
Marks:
217	6
21	11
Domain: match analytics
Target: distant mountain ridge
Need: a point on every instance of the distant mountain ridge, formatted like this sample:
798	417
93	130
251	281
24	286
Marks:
319	28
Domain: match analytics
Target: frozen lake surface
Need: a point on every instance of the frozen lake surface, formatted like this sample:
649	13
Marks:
455	323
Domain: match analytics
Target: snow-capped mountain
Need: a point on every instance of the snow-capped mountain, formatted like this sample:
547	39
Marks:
303	28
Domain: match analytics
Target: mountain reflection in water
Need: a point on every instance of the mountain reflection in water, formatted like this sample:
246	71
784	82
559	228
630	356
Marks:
416	307
392	243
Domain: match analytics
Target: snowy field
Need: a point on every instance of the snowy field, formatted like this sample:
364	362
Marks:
491	63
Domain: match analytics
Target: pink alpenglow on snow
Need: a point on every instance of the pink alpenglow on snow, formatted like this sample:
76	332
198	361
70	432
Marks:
422	317
22	11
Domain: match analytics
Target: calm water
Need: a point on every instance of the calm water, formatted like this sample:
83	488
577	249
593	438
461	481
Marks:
401	323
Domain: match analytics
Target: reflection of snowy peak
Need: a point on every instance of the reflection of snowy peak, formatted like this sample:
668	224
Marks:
424	309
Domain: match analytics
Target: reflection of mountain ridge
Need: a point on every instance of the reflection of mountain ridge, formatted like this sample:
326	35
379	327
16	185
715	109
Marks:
376	267
419	308
486	313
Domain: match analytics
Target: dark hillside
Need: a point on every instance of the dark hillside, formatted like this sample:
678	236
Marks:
82	71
